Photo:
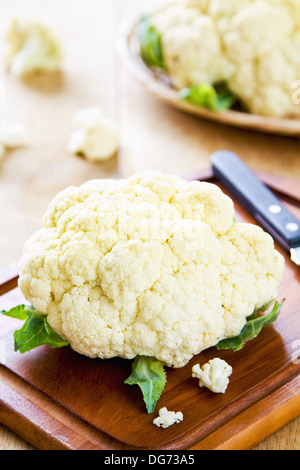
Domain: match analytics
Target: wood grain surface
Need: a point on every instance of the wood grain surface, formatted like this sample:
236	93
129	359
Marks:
153	135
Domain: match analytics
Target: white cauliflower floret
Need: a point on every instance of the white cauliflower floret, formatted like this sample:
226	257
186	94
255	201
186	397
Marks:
32	48
11	136
167	418
214	375
95	137
150	265
247	254
252	45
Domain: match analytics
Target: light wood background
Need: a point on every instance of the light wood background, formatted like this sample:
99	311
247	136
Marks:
153	136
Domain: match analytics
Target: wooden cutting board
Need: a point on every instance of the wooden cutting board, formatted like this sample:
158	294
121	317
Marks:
57	399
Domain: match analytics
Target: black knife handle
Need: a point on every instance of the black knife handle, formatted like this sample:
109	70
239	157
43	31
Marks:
256	198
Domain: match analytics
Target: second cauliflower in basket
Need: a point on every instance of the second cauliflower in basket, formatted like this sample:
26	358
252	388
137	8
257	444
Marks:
251	46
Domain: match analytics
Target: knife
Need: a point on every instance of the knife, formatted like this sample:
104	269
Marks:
258	200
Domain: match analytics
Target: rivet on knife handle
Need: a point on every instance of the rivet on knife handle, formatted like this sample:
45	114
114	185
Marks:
258	200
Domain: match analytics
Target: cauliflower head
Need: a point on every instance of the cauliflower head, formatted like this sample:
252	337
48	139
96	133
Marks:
150	265
31	48
251	45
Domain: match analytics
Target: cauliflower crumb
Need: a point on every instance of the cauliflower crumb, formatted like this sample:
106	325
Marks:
31	48
167	418
95	137
213	375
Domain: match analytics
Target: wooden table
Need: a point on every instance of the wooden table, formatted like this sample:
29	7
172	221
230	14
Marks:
152	134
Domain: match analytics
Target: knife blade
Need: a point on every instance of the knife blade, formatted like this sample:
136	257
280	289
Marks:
258	200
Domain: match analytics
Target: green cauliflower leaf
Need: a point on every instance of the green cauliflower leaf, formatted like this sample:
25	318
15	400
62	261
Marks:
255	323
149	374
35	331
150	43
214	98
